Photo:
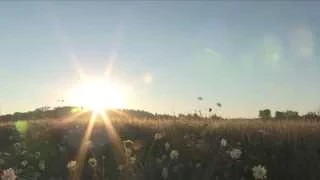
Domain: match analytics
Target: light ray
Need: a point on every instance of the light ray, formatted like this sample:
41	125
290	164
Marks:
65	41
69	119
114	138
84	148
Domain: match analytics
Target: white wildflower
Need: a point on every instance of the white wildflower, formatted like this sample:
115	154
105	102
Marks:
158	136
198	165
128	152
37	155
92	162
24	163
259	172
8	174
24	152
223	143
17	145
132	160
167	146
128	143
165	173
235	153
61	148
174	154
6	154
72	165
42	165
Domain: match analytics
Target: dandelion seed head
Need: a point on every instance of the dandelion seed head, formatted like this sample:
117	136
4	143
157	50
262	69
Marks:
235	153
174	154
24	163
223	143
167	146
158	136
259	172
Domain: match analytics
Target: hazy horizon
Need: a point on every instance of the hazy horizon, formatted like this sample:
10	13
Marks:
245	55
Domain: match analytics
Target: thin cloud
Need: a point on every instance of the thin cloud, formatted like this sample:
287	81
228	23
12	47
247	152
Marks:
212	52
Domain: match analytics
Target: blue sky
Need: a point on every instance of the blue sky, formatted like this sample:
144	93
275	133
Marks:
246	55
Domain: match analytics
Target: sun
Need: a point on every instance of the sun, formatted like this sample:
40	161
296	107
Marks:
99	95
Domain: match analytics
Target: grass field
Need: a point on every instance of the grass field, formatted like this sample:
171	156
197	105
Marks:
162	149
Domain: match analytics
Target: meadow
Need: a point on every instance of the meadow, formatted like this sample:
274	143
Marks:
123	149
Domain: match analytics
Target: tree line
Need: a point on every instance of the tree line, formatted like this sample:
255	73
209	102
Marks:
46	112
289	114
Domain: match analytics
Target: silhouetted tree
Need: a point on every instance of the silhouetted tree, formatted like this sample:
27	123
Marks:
287	115
279	115
265	114
292	114
311	116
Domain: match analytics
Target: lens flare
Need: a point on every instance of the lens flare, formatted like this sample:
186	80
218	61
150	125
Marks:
21	126
99	95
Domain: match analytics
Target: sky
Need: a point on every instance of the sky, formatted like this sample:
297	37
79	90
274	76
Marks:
245	55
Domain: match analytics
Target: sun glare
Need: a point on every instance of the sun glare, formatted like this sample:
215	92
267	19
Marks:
98	95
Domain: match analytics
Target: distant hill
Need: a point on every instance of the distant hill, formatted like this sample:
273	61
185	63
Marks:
59	112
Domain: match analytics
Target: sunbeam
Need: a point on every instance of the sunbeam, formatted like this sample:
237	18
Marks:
69	119
114	138
84	148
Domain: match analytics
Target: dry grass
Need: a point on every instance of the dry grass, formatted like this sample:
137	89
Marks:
288	149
